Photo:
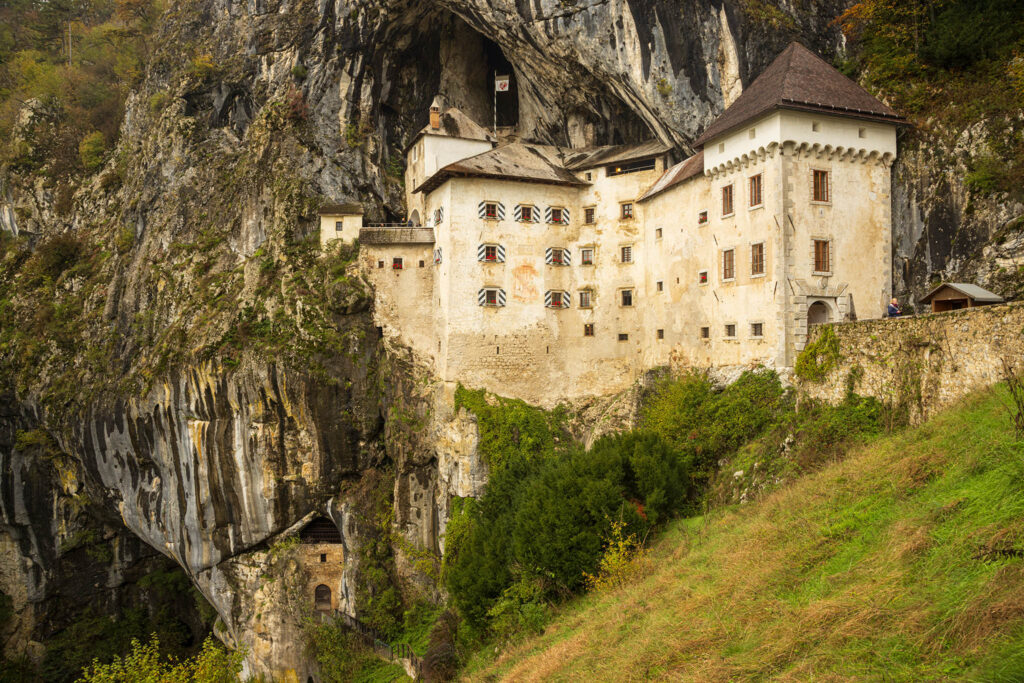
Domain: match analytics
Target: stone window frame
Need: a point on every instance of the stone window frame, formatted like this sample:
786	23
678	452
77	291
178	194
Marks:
703	218
828	185
702	278
589	292
831	255
658	233
725	330
750	329
622	253
627	214
590	215
732	199
593	254
659	334
705	333
659	286
588	329
764	259
623	336
534	212
632	297
760	190
721	264
397	263
487	215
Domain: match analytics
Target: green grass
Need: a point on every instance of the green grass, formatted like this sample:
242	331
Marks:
901	562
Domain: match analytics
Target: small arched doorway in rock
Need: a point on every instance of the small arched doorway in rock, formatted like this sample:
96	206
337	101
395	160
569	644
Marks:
414	217
322	598
818	313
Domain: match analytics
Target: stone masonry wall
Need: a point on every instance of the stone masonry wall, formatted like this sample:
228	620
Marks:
925	362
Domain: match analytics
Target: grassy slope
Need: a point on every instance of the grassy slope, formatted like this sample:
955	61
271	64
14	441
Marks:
886	565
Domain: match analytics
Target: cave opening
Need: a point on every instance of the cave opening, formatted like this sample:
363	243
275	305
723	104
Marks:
507	109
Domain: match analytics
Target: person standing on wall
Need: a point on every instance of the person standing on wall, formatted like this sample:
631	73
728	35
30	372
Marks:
893	310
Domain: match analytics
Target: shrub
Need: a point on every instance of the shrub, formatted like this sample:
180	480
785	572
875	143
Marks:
56	255
299	72
818	357
213	664
622	561
202	67
91	150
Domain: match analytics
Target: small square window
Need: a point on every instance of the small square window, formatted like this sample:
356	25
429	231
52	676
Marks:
558	257
756	329
627	254
590	176
491	253
490	211
586	298
623	336
657	233
491	297
589	214
556	216
705	332
337	226
627	210
588	330
527	214
323	557
587	256
380	264
422	263
556	299
815	126
659	285
627	297
702	218
397	263
702	277
862	132
730	331
661	334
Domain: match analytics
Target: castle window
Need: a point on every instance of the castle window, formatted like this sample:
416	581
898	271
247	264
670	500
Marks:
659	285
657	233
721	147
730	331
588	330
627	254
437	256
626	209
438	216
822	256
627	298
323	557
702	218
729	264
623	336
491	296
757	259
589	215
558	216
490	210
397	262
490	253
631	167
705	332
661	334
752	133
815	126
416	152
755	191
820	186
702	277
757	330
556	299
862	132
338	226
524	213
422	263
586	298
380	264
587	256
557	256
527	215
727	208
589	176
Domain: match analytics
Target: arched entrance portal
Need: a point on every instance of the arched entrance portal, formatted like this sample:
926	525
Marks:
818	313
322	598
415	217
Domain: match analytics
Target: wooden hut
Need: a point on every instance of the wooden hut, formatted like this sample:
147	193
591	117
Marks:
952	296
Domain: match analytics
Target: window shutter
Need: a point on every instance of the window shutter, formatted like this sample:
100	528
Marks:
549	257
481	297
501	211
481	210
566	257
501	254
547	214
437	256
501	297
565	216
547	298
439	216
517	213
481	252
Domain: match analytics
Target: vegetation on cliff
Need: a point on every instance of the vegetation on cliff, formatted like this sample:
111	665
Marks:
906	557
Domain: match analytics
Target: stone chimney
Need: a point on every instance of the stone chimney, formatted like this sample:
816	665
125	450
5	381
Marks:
435	113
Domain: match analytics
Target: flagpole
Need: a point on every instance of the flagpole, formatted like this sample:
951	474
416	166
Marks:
495	106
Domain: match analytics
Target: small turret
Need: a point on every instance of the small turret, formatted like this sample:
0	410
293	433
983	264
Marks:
435	113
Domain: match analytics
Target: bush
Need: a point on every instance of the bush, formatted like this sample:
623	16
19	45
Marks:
202	67
213	664
91	150
56	255
818	357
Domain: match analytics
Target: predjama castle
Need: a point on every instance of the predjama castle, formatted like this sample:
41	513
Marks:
546	273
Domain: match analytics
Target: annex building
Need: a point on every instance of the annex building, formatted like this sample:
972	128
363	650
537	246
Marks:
547	273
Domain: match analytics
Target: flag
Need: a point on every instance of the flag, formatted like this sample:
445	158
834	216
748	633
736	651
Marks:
501	83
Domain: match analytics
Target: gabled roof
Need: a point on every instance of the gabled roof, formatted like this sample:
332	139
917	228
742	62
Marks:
455	124
341	210
799	79
515	161
682	171
971	291
590	157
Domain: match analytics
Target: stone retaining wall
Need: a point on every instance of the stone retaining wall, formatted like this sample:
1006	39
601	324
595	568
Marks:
921	363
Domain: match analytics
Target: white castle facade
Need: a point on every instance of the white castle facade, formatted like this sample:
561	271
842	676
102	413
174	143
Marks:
547	274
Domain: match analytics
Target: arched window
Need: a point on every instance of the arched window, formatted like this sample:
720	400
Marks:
322	598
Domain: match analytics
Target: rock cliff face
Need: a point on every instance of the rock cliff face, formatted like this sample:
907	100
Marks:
220	388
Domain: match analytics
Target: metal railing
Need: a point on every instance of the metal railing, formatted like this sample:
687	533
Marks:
392	652
391	225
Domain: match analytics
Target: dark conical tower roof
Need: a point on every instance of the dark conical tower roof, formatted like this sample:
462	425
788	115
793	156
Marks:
799	79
